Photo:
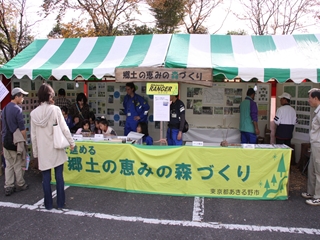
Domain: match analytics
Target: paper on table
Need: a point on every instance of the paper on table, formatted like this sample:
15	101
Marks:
134	135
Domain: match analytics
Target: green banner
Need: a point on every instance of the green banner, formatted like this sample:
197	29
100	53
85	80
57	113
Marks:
182	171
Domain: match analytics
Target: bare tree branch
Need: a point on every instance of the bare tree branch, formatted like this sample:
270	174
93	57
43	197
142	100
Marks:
279	16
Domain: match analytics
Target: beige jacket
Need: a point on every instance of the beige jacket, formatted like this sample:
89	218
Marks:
42	120
18	139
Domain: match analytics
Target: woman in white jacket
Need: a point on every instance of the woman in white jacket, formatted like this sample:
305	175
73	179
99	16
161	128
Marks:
42	120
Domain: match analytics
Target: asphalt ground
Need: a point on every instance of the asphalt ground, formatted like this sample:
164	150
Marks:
103	214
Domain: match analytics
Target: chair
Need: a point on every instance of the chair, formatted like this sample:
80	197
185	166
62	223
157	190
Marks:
266	136
267	133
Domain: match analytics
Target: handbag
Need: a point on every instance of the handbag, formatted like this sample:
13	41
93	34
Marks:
59	140
185	127
8	137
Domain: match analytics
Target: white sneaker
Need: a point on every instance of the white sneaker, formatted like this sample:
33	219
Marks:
306	195
313	202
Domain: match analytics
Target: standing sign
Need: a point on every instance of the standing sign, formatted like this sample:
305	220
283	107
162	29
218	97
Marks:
161	100
3	91
161	106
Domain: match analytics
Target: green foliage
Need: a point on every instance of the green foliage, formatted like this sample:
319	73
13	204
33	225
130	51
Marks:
169	15
56	31
134	29
237	32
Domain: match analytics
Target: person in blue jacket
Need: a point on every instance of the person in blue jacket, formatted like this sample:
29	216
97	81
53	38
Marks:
67	117
135	107
143	128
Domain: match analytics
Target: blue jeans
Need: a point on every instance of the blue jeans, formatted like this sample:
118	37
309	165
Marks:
172	137
46	179
247	137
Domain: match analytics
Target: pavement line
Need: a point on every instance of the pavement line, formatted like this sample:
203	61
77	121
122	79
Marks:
212	225
198	209
54	194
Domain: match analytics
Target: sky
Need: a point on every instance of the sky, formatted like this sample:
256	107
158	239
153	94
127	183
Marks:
42	28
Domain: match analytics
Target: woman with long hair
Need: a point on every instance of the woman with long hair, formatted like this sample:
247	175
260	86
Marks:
79	111
43	118
143	128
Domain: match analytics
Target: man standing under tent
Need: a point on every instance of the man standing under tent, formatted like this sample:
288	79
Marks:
249	118
285	119
177	120
313	187
135	107
61	100
12	120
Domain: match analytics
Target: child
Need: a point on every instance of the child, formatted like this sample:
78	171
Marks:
67	117
77	124
92	118
143	128
105	128
97	129
85	127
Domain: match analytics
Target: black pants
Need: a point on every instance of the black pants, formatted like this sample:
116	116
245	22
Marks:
284	141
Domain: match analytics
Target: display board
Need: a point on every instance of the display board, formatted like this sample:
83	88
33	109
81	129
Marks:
104	98
31	101
206	107
218	106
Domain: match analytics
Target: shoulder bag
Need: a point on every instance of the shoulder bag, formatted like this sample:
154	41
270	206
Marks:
59	140
185	127
8	138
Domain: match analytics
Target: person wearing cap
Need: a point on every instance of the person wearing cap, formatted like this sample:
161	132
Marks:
61	100
285	119
13	119
249	118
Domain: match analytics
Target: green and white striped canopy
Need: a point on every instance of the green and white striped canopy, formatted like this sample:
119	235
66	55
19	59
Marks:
86	57
283	57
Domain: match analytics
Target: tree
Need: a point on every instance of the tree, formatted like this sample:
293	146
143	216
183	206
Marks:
75	28
106	16
14	29
281	166
136	30
237	32
169	14
197	11
279	16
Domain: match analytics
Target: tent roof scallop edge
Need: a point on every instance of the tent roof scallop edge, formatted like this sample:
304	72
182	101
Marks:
280	57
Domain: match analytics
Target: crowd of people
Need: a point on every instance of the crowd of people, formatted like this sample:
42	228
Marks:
71	118
80	119
77	118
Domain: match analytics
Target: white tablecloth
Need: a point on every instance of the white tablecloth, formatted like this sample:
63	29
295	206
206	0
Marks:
211	135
